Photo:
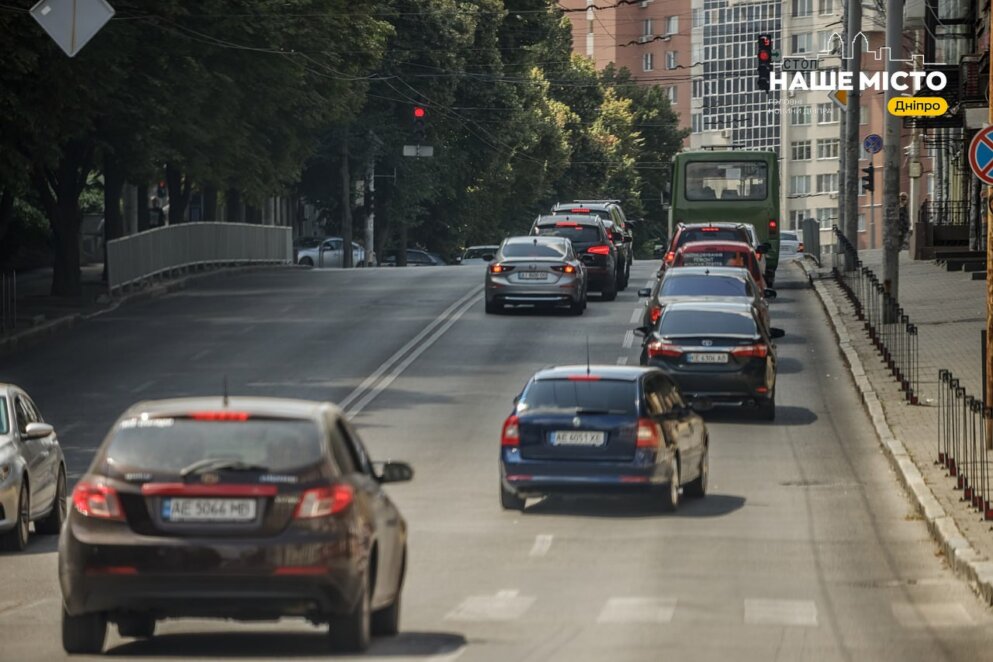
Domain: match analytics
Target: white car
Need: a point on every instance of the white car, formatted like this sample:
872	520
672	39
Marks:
329	254
477	255
790	246
753	239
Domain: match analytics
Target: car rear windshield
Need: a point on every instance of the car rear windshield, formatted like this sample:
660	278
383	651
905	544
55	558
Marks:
729	180
706	323
529	249
579	234
171	444
713	234
716	286
788	236
4	420
612	396
714	258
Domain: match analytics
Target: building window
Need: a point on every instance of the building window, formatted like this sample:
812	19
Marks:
800	115
799	184
646	27
697	88
672	94
648	62
828	148
698	17
863	115
803	8
672	25
797	216
861	222
824	44
825	7
696	122
828	113
671	61
801	43
826	216
827	183
800	150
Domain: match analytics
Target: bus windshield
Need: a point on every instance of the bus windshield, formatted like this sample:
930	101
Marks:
727	180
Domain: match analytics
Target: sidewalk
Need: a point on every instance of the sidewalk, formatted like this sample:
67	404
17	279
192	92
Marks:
949	310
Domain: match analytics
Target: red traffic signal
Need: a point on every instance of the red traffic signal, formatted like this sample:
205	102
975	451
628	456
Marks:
419	112
764	56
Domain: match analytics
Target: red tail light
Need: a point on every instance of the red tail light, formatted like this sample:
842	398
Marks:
324	501
511	435
500	268
670	256
759	351
219	416
710	229
565	269
773	226
99	501
655	313
567	225
649	434
659	348
602	249
580	210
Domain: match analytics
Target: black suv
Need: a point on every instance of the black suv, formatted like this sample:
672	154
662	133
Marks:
617	227
592	245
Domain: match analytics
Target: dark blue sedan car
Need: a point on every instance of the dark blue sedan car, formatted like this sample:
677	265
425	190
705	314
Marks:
585	429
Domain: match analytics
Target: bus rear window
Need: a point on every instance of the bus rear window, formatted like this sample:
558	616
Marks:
727	180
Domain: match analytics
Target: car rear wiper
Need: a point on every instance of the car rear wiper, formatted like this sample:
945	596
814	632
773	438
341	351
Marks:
219	464
595	412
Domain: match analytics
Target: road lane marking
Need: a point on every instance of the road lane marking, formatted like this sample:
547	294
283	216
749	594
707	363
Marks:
370	388
504	606
628	339
143	386
66	429
637	610
933	615
780	612
199	355
635	315
622	360
542	543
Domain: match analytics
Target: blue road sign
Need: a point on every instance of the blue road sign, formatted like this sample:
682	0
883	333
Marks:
873	143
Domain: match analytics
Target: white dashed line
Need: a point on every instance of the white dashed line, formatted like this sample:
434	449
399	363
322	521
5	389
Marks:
141	387
780	612
638	610
628	339
542	543
622	360
199	355
635	315
504	606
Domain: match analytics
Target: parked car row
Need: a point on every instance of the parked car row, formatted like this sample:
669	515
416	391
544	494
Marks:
328	252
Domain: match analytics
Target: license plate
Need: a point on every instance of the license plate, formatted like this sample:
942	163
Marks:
208	510
534	275
577	438
710	357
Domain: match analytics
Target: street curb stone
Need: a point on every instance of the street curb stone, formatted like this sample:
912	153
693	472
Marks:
961	556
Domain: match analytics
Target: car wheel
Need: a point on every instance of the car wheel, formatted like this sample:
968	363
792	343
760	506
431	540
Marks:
85	633
352	633
139	626
52	523
609	291
767	408
510	501
386	621
670	497
493	308
576	307
697	488
16	539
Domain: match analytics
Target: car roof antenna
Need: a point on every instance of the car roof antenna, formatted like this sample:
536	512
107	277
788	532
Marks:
225	391
587	355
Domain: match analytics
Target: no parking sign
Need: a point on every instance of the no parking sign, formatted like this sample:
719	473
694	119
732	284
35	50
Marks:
981	155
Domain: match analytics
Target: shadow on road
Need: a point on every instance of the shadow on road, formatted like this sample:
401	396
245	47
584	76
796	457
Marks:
786	365
276	645
785	415
634	506
37	544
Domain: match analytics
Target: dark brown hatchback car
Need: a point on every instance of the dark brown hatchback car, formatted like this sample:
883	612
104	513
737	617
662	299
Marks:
248	509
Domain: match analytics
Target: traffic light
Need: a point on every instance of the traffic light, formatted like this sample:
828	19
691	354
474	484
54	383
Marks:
868	179
420	124
162	190
764	55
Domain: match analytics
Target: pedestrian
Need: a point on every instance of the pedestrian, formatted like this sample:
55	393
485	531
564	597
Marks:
904	221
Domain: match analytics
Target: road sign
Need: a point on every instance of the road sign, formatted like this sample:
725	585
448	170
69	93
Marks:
840	98
72	23
873	143
418	150
799	64
981	155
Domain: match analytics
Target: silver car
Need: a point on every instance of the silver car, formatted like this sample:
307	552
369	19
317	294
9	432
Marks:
32	471
542	271
329	253
476	255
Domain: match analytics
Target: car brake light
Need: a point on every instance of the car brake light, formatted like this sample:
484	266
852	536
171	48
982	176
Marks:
511	435
655	313
500	268
710	229
219	416
324	501
669	257
567	225
580	210
773	226
565	269
99	501
759	351
583	378
649	435
659	348
601	249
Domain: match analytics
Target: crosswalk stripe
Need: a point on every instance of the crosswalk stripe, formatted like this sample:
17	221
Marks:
931	615
622	360
780	612
628	340
638	610
635	315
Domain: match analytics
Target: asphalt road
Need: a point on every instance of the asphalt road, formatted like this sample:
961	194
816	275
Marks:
806	547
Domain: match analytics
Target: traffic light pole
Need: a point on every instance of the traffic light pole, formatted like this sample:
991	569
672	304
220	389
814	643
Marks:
892	232
853	47
872	210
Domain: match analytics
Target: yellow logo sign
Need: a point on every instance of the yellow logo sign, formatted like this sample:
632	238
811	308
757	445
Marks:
917	106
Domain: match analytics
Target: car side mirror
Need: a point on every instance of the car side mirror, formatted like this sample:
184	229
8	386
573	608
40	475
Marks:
645	292
458	259
769	294
38	430
760	249
616	237
393	472
643	331
487	258
776	333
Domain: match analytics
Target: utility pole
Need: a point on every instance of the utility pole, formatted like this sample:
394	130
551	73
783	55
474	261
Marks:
988	400
370	216
891	153
346	204
853	46
843	132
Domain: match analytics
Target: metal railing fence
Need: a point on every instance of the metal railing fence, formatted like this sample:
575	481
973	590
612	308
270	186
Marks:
962	445
161	251
888	326
811	228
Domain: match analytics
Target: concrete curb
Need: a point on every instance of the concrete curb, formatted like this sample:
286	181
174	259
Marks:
964	560
35	335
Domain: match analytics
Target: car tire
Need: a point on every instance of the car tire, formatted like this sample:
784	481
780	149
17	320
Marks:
670	496
352	633
386	621
138	626
52	523
306	262
493	308
16	539
697	488
510	501
767	408
577	307
83	634
609	291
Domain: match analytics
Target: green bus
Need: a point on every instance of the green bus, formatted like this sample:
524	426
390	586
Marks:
733	186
